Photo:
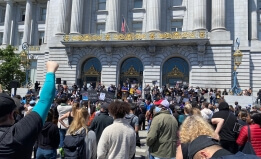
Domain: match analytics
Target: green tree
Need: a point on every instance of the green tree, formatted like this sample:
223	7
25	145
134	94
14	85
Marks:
10	68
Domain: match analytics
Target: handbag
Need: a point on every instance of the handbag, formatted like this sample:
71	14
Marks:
248	148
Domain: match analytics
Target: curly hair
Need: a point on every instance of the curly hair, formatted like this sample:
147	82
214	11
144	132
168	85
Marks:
119	109
194	126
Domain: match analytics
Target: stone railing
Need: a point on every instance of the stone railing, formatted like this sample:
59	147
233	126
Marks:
137	36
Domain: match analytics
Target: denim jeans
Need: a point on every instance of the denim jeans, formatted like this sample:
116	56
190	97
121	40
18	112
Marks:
46	154
62	133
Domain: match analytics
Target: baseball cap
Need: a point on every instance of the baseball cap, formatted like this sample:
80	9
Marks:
165	103
200	143
7	104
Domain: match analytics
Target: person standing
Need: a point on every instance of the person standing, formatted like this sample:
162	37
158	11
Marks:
18	139
162	136
147	90
62	109
118	140
78	127
100	122
224	122
48	140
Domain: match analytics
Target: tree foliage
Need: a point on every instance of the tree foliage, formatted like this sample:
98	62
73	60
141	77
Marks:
10	67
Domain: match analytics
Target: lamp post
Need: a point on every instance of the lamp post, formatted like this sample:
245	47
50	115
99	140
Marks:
24	55
237	61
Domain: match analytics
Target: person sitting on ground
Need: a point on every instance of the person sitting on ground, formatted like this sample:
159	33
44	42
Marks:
206	147
18	139
118	140
192	127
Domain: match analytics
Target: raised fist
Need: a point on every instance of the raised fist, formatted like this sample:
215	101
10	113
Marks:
52	66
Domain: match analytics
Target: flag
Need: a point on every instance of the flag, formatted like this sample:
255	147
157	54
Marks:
123	24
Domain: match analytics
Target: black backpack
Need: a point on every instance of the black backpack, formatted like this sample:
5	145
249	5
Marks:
74	145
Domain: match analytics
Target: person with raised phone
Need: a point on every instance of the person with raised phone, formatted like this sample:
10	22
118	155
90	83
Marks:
17	140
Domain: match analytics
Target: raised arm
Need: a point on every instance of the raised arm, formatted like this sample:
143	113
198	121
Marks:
48	91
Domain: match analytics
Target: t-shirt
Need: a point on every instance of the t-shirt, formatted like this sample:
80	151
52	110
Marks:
134	120
226	132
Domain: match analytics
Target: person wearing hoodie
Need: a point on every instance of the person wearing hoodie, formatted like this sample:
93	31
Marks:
224	122
48	140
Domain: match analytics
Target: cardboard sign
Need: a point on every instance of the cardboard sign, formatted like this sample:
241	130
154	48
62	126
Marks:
92	95
102	96
106	96
85	96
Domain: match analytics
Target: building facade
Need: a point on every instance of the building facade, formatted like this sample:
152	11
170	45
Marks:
138	41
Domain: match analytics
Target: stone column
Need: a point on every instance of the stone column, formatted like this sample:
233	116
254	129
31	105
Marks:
218	15
200	14
76	19
63	17
253	19
8	19
153	15
112	23
27	22
46	21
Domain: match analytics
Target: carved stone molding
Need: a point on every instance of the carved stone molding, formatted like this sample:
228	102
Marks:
108	50
69	51
152	53
201	53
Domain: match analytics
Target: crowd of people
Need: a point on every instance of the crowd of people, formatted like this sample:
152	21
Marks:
181	123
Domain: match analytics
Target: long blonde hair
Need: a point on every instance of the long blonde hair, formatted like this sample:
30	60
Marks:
79	121
75	106
194	126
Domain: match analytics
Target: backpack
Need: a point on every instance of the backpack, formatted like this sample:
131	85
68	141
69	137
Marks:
74	145
130	119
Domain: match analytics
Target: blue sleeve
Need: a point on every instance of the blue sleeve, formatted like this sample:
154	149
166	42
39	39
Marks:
46	96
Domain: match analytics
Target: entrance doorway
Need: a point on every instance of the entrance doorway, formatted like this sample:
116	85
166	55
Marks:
175	71
131	72
91	72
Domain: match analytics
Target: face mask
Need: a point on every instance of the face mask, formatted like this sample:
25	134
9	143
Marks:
157	109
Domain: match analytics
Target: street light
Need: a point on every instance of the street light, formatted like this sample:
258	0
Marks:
237	61
24	55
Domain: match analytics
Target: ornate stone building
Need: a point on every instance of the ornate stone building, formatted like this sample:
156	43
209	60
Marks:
138	41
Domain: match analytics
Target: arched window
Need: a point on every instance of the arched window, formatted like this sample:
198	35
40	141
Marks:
91	71
175	70
131	71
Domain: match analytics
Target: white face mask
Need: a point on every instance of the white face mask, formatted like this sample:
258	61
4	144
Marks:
157	109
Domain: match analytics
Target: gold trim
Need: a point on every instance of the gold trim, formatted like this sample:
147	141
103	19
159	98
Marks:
175	73
137	36
131	72
92	72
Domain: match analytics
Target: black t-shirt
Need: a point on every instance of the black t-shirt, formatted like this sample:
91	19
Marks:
19	140
226	132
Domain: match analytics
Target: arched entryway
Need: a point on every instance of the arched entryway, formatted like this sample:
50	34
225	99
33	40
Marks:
131	71
175	70
91	71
